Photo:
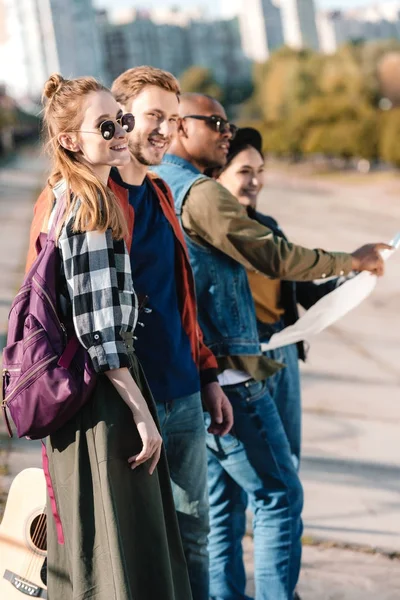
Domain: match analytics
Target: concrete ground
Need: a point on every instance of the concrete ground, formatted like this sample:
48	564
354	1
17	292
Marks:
338	574
351	395
20	181
351	383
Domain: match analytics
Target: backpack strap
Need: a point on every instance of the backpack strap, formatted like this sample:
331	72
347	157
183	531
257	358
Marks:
70	350
58	213
7	420
40	242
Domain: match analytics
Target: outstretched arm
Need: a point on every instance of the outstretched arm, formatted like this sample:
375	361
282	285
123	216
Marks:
211	214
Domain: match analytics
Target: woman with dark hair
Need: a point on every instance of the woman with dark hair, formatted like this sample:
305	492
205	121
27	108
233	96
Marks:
275	300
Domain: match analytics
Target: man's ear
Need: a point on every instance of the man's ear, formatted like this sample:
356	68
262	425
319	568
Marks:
69	142
182	132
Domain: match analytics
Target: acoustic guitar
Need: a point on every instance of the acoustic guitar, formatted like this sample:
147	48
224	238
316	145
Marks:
23	538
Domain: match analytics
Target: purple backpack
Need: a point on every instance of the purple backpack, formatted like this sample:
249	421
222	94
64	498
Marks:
46	376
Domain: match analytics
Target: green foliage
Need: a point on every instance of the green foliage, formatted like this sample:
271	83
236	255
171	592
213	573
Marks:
329	104
200	80
274	83
234	94
388	72
7	117
371	57
389	139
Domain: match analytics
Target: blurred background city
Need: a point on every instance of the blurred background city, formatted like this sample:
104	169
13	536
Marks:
321	76
321	80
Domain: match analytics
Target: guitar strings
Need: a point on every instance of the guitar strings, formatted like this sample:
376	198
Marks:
26	563
37	534
40	531
38	537
32	556
41	537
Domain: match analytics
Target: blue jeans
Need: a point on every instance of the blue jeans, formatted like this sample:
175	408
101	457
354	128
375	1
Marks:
254	463
285	389
182	428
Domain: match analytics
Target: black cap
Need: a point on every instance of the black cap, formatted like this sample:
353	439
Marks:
246	136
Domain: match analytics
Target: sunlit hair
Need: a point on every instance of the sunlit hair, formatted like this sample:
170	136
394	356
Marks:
99	209
132	82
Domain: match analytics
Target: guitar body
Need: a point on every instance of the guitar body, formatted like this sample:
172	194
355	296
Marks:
23	538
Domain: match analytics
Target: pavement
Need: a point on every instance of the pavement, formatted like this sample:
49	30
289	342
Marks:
330	573
351	383
351	396
20	181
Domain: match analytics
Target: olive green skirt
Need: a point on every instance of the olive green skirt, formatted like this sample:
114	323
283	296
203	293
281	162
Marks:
121	537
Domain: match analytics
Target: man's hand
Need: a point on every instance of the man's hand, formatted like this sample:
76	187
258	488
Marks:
219	407
369	258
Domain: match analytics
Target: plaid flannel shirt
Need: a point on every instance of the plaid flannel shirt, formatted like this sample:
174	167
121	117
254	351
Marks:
104	304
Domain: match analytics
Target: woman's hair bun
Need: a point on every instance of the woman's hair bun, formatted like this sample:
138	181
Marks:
52	85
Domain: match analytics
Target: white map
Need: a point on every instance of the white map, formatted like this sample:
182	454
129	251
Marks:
330	308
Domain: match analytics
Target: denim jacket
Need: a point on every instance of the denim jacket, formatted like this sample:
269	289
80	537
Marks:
225	304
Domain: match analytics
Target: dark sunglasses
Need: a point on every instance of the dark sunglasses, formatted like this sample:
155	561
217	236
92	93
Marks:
216	123
107	128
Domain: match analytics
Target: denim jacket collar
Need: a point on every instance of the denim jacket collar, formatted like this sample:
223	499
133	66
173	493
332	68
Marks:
173	159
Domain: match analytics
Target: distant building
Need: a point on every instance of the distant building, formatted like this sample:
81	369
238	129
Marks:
161	42
328	39
216	45
267	25
3	24
229	8
176	16
299	24
373	23
129	44
143	42
43	36
261	28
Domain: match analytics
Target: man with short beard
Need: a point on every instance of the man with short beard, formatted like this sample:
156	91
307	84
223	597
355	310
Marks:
170	347
253	463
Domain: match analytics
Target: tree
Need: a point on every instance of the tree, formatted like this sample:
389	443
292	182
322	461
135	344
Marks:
274	83
371	56
390	135
314	103
200	80
388	72
277	139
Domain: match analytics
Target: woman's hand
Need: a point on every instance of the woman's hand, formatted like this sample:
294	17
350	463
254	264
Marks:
149	434
151	439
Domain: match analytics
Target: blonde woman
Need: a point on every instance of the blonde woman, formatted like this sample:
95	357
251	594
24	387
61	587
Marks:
117	536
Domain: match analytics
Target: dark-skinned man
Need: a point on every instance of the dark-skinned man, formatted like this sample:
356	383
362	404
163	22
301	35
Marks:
253	463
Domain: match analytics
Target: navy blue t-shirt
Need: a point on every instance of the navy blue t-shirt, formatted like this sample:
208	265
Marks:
163	346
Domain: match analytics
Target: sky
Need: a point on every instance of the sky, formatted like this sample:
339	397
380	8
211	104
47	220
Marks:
212	5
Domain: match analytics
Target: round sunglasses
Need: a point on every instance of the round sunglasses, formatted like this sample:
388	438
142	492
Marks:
107	128
216	123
